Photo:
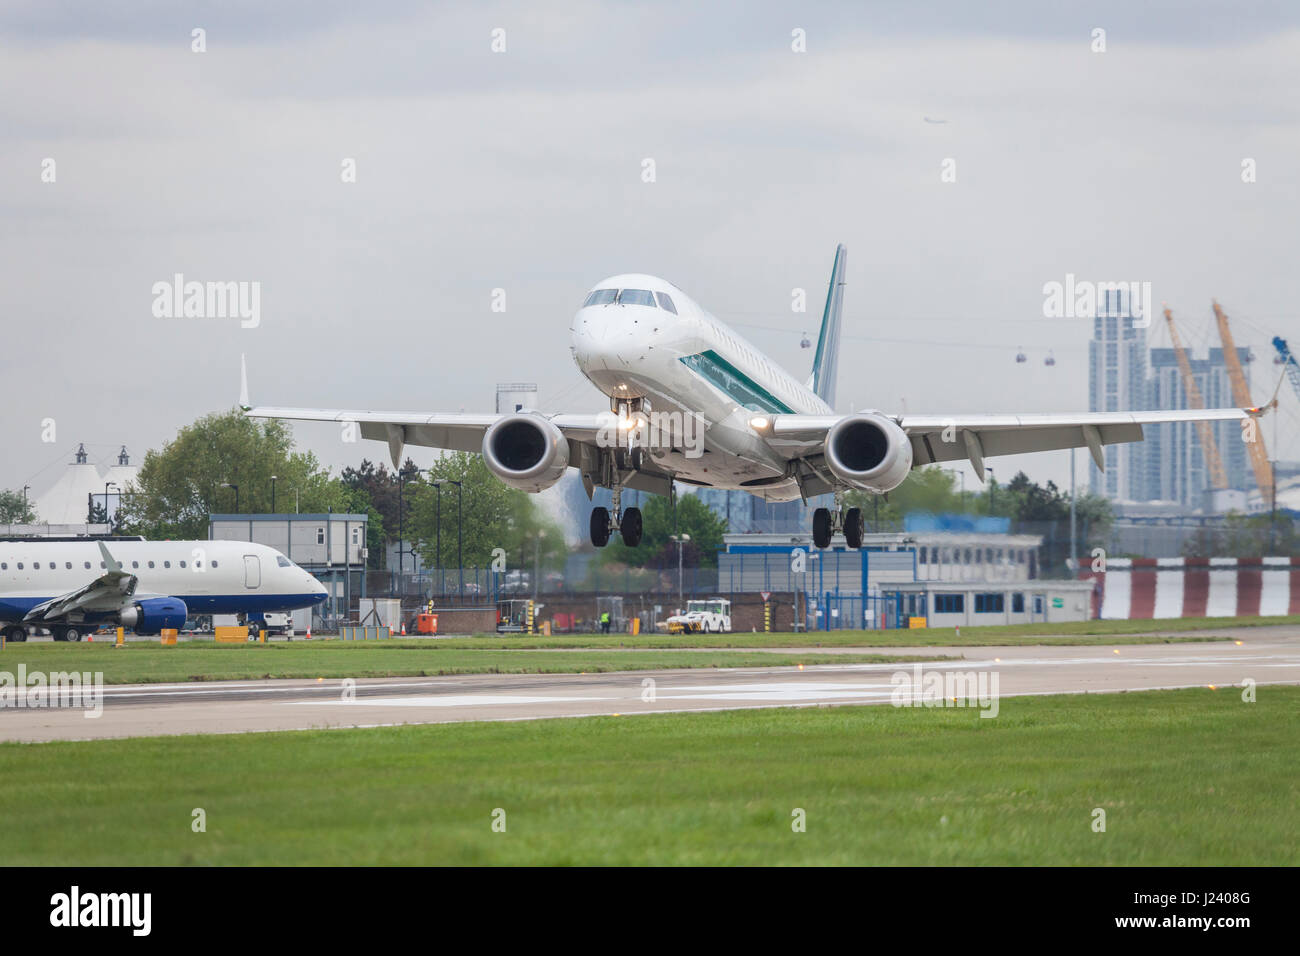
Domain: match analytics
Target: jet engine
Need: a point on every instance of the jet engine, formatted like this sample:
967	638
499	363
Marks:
526	452
869	451
151	615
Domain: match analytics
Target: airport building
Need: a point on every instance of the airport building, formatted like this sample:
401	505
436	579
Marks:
84	487
331	547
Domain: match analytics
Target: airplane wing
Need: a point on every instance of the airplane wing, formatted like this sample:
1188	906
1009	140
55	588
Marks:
937	438
461	431
107	592
454	431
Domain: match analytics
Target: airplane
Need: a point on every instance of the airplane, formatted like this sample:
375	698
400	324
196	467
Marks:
691	401
142	585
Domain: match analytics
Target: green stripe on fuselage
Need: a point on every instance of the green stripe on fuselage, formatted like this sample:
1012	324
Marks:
738	386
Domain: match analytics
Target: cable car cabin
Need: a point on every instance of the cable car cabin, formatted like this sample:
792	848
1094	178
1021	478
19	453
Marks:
512	616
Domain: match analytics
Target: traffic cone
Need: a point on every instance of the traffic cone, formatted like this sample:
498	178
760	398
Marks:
403	629
309	632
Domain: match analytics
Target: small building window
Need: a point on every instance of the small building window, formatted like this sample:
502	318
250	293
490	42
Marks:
923	554
1018	603
989	603
320	535
949	603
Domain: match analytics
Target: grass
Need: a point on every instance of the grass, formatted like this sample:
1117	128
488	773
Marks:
141	662
1185	777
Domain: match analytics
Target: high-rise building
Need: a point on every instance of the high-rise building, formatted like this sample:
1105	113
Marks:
1174	460
1117	382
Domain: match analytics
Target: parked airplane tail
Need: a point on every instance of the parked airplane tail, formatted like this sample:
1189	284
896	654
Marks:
826	361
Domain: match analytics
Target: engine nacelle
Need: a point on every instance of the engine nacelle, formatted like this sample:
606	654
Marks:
151	615
526	452
869	452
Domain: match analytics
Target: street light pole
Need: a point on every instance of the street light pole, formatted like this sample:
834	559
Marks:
227	484
992	483
681	540
273	477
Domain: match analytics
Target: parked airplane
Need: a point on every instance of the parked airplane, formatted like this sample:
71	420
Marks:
142	585
692	401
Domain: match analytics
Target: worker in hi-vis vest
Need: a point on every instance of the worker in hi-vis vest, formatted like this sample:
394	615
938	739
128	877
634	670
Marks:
604	622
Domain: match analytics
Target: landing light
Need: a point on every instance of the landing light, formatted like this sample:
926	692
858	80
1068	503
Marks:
759	422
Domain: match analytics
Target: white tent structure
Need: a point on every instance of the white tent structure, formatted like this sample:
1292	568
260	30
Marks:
68	502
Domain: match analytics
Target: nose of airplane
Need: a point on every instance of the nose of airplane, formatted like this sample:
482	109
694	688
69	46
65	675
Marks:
316	589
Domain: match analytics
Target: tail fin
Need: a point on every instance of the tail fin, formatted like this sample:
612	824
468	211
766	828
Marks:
826	361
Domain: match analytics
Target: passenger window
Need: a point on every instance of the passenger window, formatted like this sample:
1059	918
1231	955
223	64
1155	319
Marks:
182	564
151	564
67	565
167	564
665	302
135	565
636	297
212	563
87	565
4	565
601	297
20	565
103	566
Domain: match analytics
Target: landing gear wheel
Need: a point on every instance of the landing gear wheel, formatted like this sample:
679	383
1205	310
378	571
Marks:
600	527
15	634
822	528
853	528
69	633
630	527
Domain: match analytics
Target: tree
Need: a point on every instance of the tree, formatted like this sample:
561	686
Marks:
1242	536
494	516
659	522
179	486
15	508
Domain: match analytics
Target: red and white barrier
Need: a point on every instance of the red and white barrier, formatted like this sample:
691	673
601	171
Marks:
1199	587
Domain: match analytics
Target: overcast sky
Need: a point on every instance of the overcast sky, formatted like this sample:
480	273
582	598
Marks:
522	170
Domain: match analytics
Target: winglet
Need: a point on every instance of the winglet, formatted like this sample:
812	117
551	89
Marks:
108	558
243	385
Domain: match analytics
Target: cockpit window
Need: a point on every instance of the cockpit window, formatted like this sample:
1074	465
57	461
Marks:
665	302
601	297
636	297
282	561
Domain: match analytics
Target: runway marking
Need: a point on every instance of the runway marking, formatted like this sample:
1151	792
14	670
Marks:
449	700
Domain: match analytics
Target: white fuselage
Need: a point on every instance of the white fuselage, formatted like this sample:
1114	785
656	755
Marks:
695	365
211	577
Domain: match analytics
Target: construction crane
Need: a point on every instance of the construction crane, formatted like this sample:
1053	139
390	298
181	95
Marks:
1288	362
1213	462
1241	397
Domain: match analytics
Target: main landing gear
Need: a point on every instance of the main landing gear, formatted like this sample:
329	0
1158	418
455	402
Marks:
627	522
826	523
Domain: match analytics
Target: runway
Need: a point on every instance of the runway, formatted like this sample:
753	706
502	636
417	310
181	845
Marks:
131	710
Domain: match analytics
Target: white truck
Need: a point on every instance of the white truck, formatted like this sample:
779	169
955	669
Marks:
711	616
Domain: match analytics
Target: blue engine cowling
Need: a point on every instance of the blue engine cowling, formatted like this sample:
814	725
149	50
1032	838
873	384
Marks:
151	615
